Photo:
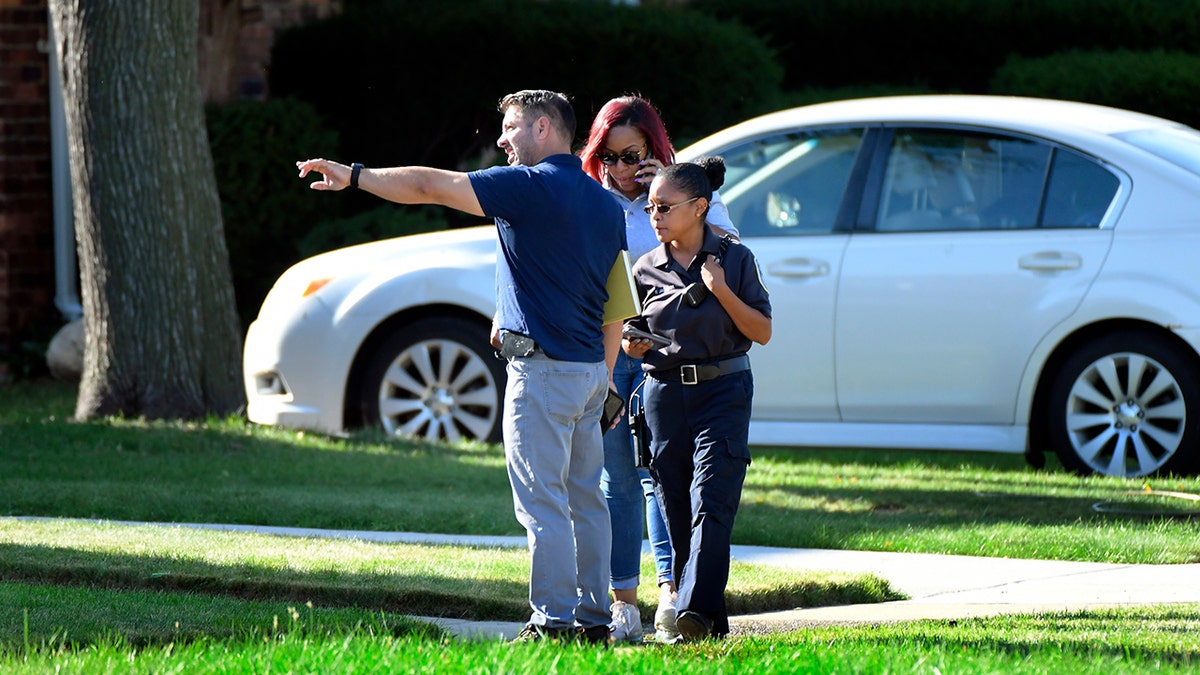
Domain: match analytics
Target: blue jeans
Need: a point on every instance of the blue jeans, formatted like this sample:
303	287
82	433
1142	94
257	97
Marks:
554	456
627	488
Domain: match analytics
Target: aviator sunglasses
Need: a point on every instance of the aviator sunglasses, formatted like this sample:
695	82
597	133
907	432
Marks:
665	208
629	158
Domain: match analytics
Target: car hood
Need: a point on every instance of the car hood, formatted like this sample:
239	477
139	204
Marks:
366	265
431	245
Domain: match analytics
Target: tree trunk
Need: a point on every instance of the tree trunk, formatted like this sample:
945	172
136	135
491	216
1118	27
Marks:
162	338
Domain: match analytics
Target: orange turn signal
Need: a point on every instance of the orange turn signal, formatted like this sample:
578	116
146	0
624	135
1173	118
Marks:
314	286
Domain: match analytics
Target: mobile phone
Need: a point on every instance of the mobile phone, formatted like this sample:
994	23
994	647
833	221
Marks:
642	178
613	405
657	341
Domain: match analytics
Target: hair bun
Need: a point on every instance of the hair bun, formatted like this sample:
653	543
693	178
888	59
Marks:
714	168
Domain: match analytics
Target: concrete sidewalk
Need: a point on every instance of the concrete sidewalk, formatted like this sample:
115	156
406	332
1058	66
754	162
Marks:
943	587
948	586
940	586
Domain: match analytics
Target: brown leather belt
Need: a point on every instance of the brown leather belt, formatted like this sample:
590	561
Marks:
695	373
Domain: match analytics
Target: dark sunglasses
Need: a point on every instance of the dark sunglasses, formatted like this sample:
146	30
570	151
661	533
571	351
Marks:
629	158
665	208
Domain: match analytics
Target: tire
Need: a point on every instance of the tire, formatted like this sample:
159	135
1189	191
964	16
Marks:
1126	404
436	379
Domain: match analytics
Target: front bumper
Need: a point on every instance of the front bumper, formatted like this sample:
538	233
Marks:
294	369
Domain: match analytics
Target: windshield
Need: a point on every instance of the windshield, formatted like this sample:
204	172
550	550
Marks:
1177	145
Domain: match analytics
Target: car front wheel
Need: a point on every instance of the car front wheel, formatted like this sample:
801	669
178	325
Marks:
436	379
1126	404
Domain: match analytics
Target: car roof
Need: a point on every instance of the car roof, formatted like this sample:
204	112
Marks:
1036	116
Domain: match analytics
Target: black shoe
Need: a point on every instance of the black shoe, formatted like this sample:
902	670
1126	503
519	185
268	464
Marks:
693	626
535	633
595	635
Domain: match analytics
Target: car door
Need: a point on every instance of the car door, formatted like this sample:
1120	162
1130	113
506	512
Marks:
974	246
787	193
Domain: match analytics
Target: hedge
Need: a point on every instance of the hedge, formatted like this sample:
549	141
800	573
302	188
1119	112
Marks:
265	207
418	82
1158	82
949	45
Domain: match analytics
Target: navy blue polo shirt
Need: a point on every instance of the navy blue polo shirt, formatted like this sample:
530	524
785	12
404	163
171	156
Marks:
560	233
704	333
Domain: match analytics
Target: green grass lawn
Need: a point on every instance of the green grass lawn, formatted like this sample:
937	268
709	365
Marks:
287	639
228	471
108	597
452	581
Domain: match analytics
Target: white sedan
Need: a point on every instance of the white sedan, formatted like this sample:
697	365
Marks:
946	272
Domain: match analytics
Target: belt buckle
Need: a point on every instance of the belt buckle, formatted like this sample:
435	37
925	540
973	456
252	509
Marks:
688	374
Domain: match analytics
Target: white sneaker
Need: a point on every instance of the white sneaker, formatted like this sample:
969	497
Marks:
626	623
665	629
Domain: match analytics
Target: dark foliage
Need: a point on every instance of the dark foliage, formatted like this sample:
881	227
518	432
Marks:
265	207
948	45
409	82
1158	83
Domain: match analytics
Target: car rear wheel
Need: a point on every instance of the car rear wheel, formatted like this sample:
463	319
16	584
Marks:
436	379
1126	404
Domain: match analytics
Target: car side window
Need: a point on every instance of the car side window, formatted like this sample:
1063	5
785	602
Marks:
1079	193
953	180
789	184
947	180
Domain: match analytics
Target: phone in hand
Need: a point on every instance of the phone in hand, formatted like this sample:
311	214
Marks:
657	341
641	176
613	406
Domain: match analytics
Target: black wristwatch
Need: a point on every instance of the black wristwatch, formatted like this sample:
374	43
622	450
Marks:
355	169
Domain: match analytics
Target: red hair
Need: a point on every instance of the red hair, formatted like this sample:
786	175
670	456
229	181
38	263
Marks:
632	111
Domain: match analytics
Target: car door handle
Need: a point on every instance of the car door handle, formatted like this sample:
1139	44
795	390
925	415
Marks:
798	267
1050	261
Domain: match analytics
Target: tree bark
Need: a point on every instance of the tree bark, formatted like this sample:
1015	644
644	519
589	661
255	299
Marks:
162	337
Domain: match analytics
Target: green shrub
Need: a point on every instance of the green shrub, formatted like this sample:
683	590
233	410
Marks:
418	82
811	95
949	45
1158	83
265	207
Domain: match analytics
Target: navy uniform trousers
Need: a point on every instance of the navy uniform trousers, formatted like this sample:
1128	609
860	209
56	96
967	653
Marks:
699	458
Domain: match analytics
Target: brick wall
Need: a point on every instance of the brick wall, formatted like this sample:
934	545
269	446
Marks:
264	18
26	227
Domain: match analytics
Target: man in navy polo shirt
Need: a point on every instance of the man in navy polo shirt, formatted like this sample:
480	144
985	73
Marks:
560	233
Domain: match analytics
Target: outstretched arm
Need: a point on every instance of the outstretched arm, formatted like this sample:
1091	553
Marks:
403	185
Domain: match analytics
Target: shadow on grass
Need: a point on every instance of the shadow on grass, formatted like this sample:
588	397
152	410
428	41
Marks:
251	476
421	594
840	499
480	597
49	618
256	477
1066	528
